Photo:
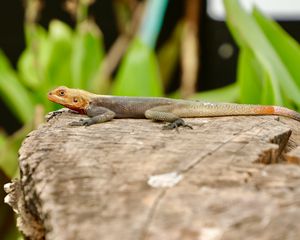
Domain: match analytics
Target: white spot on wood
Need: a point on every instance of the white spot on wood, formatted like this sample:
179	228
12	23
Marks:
204	120
164	180
210	233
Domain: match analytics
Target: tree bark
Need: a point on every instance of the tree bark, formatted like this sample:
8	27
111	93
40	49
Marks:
128	179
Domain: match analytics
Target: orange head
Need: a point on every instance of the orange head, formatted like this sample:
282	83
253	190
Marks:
75	99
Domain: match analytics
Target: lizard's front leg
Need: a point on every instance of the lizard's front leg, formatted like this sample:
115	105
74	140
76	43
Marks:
164	113
55	113
97	115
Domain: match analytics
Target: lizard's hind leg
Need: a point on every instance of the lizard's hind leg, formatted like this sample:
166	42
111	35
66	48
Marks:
164	113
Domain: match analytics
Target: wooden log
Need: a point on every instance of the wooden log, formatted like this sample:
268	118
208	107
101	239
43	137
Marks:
129	179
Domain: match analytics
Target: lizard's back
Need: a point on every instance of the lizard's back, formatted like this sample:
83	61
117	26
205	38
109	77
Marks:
131	107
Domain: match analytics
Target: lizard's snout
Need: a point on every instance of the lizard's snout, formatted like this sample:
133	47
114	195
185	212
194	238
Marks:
50	96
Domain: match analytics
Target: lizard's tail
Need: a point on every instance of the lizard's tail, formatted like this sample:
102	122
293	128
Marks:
280	111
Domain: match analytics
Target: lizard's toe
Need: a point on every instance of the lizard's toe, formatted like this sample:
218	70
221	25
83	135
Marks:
188	126
87	122
176	124
54	114
81	122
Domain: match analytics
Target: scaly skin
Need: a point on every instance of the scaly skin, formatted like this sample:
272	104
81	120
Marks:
102	108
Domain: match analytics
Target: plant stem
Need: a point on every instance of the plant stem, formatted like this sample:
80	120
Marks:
152	21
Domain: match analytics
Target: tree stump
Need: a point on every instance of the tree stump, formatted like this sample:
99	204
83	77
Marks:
228	178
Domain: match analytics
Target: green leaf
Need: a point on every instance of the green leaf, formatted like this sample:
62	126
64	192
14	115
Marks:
58	67
235	34
138	73
286	47
88	53
52	54
168	55
267	96
228	93
28	69
32	62
249	77
253	37
13	93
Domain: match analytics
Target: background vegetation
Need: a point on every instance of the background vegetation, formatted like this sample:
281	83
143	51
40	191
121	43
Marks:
267	66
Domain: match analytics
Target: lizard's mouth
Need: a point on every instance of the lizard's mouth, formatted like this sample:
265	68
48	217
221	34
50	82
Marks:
56	99
52	97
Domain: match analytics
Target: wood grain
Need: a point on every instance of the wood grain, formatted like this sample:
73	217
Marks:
93	182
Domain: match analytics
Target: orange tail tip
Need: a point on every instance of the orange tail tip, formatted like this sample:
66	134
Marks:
282	111
266	110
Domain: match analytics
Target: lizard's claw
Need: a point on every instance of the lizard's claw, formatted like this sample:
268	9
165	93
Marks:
176	124
55	113
81	122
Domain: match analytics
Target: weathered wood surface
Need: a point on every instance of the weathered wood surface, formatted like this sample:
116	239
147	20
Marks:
93	182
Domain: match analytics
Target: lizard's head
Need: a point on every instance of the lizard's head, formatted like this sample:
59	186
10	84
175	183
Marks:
74	99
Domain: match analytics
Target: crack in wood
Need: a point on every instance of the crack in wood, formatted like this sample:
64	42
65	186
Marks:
151	214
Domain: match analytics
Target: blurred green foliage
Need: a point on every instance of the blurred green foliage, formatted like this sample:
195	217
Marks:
138	73
59	56
267	67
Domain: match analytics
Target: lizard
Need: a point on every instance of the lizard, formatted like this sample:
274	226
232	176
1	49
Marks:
103	108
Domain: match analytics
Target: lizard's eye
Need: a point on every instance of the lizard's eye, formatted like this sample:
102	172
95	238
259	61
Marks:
75	100
61	93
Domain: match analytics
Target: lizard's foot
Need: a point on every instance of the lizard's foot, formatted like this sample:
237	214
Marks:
82	122
55	113
176	124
